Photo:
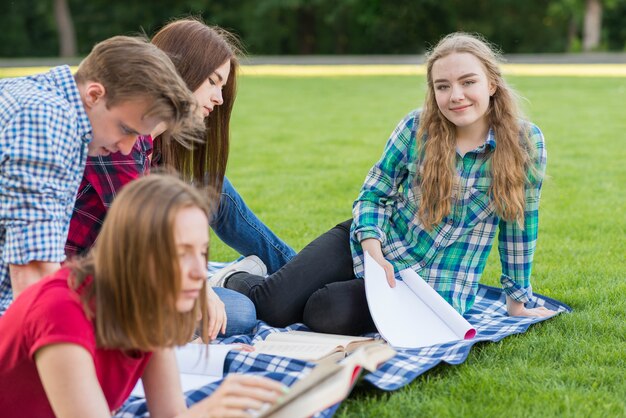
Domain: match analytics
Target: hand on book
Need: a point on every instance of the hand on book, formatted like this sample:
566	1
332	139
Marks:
244	347
239	395
515	308
216	313
372	246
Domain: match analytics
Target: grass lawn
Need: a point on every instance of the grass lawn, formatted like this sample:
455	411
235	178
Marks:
301	148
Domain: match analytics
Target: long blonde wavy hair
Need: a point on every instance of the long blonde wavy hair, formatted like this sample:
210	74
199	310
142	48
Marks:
437	140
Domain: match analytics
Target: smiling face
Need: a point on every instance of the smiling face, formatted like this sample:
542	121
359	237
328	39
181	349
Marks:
115	128
462	90
191	236
209	94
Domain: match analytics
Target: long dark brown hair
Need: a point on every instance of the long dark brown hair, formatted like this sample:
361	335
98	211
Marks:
136	271
197	50
511	159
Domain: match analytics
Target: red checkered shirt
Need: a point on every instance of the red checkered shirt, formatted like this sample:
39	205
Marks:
102	180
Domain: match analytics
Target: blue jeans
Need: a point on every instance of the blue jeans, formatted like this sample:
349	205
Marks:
240	312
240	229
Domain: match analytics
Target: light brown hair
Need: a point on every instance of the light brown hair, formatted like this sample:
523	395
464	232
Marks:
131	68
509	163
135	269
197	50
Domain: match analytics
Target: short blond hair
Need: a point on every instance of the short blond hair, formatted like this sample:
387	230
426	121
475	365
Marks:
131	68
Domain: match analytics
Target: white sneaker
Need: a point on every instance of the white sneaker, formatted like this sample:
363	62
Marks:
250	264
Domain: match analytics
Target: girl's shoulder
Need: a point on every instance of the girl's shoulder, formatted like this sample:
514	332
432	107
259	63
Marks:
532	140
531	135
52	312
412	119
529	128
408	125
55	294
403	135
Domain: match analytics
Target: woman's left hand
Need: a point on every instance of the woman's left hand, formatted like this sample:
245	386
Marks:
515	308
216	314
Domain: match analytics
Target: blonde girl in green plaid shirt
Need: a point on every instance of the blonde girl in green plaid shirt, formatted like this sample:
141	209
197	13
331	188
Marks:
452	175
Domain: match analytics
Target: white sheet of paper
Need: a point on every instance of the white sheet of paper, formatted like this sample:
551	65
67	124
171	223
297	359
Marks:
196	368
459	325
402	317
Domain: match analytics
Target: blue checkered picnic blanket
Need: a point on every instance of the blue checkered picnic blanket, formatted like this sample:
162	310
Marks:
488	316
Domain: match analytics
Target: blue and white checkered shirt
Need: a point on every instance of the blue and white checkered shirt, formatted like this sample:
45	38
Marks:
44	132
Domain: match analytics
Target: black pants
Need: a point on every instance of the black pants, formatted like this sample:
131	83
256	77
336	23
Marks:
317	287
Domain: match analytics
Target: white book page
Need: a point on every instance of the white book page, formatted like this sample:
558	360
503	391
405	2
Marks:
400	316
316	392
328	383
196	368
302	351
315	338
459	325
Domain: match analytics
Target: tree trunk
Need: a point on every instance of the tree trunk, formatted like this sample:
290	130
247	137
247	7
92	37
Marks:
65	28
592	25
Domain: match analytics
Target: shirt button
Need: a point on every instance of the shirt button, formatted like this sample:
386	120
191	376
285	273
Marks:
436	245
422	264
450	222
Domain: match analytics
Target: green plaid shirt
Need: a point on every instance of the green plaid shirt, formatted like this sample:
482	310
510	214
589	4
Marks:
452	256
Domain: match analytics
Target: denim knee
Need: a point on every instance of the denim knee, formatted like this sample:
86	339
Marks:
223	208
240	312
243	321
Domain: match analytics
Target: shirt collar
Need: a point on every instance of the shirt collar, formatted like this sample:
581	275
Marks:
491	139
490	142
64	79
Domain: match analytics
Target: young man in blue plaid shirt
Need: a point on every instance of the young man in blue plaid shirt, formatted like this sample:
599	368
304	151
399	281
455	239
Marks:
50	122
451	175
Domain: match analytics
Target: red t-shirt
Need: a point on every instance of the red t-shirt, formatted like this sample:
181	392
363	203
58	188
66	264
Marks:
46	313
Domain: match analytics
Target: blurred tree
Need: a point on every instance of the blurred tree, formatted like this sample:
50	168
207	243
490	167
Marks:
615	25
593	25
28	29
572	12
318	26
65	28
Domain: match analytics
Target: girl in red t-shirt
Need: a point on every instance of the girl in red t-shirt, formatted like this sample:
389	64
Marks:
76	343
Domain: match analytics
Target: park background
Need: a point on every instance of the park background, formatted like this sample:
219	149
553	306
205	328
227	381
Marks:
304	137
277	27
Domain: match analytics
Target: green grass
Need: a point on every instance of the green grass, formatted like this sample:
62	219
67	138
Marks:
301	148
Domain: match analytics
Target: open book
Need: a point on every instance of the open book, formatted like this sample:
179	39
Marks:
310	346
329	383
412	314
197	366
